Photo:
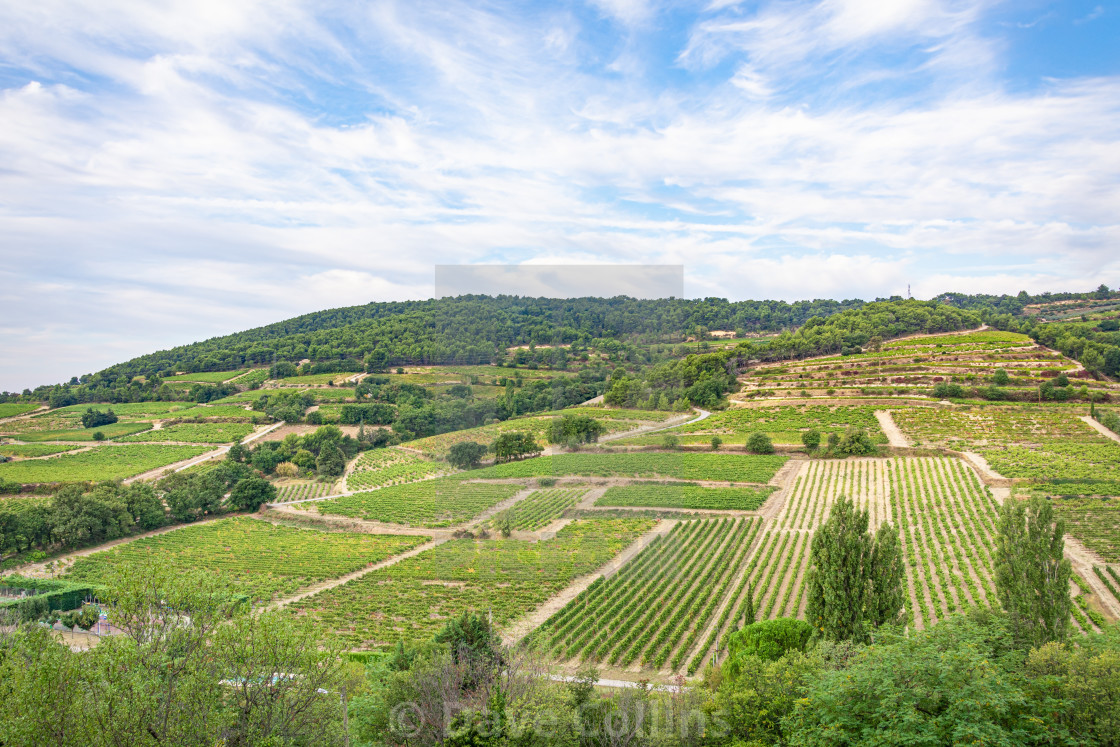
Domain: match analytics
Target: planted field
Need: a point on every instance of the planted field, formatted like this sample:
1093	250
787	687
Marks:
254	557
123	410
664	606
539	508
1094	521
412	600
226	412
537	425
195	433
382	467
11	409
208	377
300	491
1049	445
682	495
912	366
111	431
338	379
684	466
784	424
34	450
946	521
102	463
430	503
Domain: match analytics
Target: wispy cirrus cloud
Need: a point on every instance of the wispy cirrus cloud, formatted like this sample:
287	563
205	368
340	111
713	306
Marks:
188	170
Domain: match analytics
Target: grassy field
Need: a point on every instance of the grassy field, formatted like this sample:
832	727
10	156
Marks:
102	463
195	433
412	600
11	409
254	557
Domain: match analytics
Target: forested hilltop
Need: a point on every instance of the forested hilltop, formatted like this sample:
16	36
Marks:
471	330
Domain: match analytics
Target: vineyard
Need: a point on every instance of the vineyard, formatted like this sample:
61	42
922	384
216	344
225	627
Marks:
101	463
196	433
254	557
208	377
684	495
539	509
783	424
663	605
436	503
381	467
227	412
34	450
1045	445
911	366
684	466
1095	522
412	600
301	491
111	431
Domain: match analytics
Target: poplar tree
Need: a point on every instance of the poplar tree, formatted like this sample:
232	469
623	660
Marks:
1032	573
855	580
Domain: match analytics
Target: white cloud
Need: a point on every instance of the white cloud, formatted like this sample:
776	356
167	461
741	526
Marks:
234	173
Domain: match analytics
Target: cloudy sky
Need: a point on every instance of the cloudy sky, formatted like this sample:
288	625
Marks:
170	171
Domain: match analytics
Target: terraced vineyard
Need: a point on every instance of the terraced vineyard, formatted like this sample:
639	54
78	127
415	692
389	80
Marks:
539	508
784	424
225	412
1051	446
675	603
435	503
685	495
412	600
662	605
195	433
254	557
913	365
302	491
101	463
381	467
685	466
111	431
208	377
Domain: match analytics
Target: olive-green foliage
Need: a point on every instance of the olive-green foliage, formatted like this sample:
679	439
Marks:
768	639
1032	573
759	443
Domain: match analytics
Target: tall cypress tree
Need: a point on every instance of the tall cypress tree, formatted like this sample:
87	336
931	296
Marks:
855	580
1032	573
886	576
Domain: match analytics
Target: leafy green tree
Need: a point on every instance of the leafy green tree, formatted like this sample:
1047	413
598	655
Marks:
466	454
811	439
331	461
514	445
855	442
1001	378
954	683
92	418
854	582
716	442
1032	573
770	639
98	436
251	493
670	441
759	443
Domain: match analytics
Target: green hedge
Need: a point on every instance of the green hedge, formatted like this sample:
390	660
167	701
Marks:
56	595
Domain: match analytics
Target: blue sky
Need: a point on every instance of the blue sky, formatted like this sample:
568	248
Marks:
170	171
